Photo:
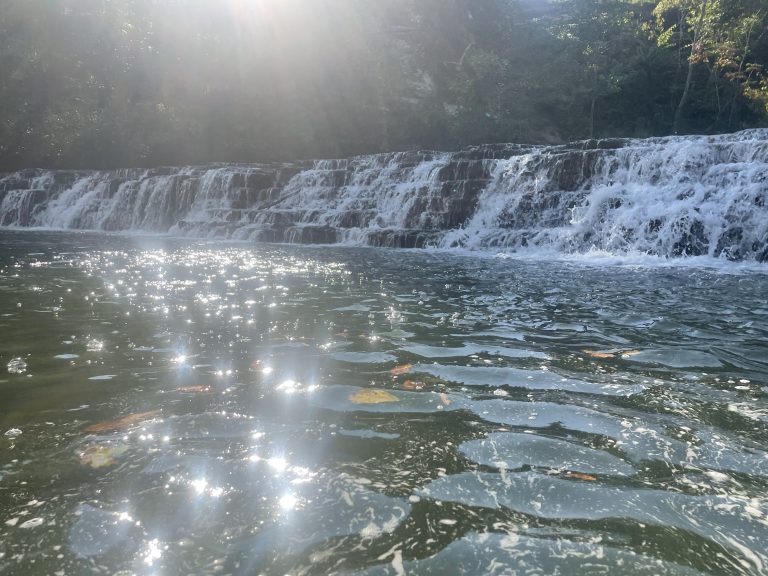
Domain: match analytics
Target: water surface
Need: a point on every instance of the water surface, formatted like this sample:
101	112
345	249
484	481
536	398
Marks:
177	407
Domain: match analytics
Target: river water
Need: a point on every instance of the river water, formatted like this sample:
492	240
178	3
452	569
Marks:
188	407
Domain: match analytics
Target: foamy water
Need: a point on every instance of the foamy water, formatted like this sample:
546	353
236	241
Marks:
668	198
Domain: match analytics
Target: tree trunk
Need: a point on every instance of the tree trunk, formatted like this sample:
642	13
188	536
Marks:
739	76
592	103
689	75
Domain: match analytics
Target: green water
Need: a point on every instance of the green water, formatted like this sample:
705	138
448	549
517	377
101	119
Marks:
542	417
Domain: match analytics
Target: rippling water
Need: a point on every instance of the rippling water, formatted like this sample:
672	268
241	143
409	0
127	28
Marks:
187	407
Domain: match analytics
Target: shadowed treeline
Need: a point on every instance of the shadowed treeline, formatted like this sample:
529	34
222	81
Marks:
99	83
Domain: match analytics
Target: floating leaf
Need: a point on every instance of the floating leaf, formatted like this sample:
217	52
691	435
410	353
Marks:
123	422
194	389
444	399
597	354
372	397
581	476
411	385
402	369
101	456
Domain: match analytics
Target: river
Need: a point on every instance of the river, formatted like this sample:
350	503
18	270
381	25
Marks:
178	406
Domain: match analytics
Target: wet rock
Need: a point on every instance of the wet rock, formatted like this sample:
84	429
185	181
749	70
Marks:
311	235
260	179
400	238
657	196
730	244
692	241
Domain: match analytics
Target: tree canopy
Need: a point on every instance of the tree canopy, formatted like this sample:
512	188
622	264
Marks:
103	83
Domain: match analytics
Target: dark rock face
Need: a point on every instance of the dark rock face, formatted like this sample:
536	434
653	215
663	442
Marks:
693	241
673	197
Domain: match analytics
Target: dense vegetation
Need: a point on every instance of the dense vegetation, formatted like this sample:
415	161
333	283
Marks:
98	83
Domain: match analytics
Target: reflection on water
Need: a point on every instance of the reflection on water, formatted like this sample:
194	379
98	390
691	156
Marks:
178	408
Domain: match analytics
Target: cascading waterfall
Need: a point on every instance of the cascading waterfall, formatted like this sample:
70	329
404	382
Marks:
671	197
667	196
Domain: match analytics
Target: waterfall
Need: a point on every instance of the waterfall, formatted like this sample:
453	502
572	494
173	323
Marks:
671	197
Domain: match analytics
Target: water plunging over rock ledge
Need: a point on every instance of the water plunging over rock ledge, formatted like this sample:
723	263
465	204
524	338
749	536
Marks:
673	196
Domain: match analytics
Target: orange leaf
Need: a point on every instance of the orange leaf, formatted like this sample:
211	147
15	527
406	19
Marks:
123	422
444	399
597	354
411	385
402	369
581	476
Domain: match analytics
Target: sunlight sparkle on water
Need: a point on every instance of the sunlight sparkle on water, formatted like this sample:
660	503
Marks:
271	425
278	464
153	553
216	492
288	502
289	386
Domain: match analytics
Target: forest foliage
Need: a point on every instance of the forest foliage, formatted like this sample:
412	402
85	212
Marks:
104	83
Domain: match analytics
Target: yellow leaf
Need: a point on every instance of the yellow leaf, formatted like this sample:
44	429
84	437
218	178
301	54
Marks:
372	397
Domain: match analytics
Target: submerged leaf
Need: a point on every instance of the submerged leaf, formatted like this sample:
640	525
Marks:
402	369
194	389
123	422
372	397
597	354
411	385
101	456
628	353
581	476
444	399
